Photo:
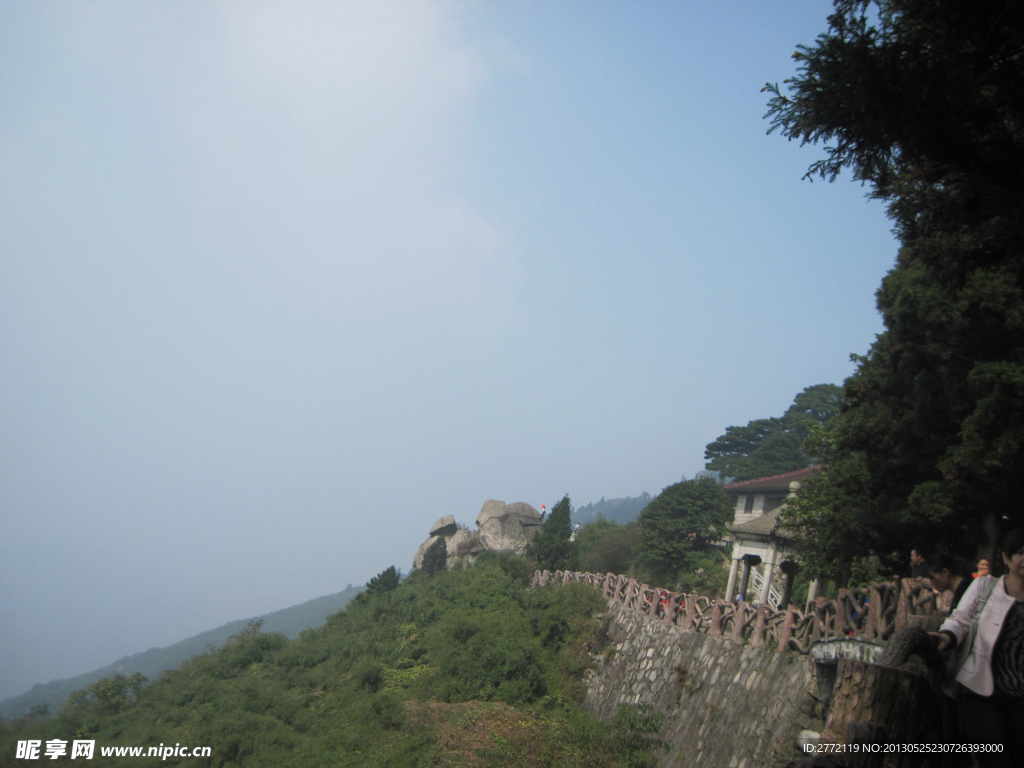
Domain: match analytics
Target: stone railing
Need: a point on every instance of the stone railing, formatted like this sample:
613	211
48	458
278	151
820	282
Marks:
872	613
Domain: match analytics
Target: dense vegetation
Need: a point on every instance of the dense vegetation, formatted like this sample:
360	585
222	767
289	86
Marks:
676	543
772	446
674	540
465	667
290	622
605	546
679	534
552	548
922	101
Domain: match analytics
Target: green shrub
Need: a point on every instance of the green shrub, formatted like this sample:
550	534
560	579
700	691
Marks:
551	547
436	557
338	696
613	552
385	581
590	533
678	529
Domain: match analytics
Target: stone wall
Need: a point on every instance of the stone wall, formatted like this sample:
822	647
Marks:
726	705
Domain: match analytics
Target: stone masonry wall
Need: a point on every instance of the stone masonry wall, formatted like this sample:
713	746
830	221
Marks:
726	705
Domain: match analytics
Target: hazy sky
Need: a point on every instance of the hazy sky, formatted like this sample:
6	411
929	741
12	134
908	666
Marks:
281	283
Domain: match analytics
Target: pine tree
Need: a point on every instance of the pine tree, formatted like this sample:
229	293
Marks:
921	100
435	559
551	547
772	446
385	581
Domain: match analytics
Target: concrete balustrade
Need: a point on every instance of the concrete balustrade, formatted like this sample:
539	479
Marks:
874	612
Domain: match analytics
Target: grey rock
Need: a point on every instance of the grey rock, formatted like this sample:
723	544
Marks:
491	508
417	561
507	527
463	547
445	526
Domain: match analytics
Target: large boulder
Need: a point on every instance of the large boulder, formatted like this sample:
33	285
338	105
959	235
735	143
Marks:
464	542
507	527
502	528
417	561
445	526
463	547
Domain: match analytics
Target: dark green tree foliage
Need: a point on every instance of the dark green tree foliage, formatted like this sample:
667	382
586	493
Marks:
591	533
385	581
109	695
766	447
435	559
922	100
606	547
830	533
677	528
551	547
614	552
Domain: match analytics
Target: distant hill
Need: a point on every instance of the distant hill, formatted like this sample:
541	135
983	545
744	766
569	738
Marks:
617	510
288	621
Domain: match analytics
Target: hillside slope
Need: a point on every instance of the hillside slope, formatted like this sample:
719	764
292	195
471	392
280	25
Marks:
288	622
466	667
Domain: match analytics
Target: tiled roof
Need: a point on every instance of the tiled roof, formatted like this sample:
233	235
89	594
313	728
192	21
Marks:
774	482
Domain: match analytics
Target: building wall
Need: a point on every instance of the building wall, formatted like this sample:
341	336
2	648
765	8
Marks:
762	504
743	501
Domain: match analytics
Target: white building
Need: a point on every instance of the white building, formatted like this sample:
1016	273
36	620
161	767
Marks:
761	546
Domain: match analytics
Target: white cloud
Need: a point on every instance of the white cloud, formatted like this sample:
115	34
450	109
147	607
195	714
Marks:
359	63
330	161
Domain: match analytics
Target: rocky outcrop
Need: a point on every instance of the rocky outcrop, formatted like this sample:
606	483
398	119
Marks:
464	544
417	561
445	526
508	527
501	528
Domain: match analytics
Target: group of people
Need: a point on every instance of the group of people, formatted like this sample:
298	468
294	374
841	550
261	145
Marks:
946	573
985	632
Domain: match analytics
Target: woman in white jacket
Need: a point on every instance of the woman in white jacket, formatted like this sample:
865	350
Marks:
992	678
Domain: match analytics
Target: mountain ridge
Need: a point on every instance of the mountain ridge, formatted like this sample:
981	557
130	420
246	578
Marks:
624	510
289	622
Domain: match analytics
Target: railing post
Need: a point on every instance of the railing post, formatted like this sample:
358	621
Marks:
787	627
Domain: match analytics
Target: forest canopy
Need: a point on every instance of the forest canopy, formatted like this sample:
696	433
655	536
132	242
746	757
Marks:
772	446
921	101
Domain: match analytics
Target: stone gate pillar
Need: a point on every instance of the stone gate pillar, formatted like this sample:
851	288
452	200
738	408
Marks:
789	568
744	579
730	589
812	592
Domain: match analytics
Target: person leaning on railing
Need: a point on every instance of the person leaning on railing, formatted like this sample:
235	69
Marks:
991	677
945	572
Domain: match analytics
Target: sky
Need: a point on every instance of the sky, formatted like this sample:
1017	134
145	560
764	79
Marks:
282	283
